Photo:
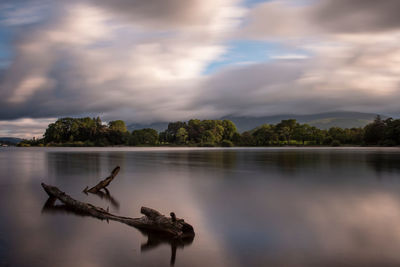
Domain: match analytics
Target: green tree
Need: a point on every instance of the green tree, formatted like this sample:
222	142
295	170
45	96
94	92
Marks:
338	134
302	132
392	132
118	126
247	139
145	136
285	129
195	130
172	130
182	135
229	129
374	132
264	135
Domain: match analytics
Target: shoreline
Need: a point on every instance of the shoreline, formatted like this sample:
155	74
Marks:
214	147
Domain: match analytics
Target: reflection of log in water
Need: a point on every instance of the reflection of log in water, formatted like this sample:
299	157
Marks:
158	228
107	196
155	239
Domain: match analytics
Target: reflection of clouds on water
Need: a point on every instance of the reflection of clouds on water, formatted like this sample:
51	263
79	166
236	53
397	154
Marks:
19	166
287	224
66	240
165	181
384	163
365	227
323	163
279	207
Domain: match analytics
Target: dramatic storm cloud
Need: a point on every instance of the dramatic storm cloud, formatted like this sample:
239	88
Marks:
161	60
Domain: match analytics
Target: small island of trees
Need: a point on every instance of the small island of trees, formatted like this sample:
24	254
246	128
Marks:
208	133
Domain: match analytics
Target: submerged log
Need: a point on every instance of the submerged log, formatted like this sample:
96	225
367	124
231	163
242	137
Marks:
104	183
153	220
154	238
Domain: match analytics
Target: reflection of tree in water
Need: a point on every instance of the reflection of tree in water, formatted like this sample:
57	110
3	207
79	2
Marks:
154	239
213	158
221	159
115	158
61	164
384	162
287	162
295	162
83	164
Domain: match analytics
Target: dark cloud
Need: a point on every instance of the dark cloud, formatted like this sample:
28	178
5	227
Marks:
162	13
287	19
357	15
249	89
291	87
144	60
159	14
88	60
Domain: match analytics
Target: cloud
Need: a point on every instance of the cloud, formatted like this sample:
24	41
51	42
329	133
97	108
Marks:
290	56
357	15
145	61
191	15
299	86
297	20
90	60
24	128
352	64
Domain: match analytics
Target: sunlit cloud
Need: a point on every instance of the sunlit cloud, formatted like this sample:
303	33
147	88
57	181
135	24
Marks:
24	128
147	61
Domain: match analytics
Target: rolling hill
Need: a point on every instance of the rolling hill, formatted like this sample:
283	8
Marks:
320	120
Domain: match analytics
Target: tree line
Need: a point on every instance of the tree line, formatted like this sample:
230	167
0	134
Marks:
93	132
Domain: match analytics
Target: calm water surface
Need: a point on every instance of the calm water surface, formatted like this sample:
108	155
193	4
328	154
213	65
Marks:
249	207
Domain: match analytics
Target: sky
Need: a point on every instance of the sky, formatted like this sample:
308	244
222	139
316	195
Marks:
167	60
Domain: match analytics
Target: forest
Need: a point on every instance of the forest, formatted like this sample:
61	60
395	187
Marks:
210	133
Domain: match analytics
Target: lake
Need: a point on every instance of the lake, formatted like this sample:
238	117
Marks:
248	206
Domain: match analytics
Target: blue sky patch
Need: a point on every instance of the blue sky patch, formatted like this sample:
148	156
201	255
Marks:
243	52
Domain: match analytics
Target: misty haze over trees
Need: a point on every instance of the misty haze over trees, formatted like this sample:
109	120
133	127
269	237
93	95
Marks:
92	132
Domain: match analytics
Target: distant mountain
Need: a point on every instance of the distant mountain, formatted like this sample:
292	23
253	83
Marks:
320	120
159	126
10	140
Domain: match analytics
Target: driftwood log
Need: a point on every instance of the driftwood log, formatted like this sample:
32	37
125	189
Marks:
154	238
104	183
153	220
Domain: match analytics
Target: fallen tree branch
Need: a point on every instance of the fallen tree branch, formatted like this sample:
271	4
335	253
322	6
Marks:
104	183
153	220
154	238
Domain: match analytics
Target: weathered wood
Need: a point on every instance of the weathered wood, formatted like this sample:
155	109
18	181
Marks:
153	220
154	238
104	183
151	213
